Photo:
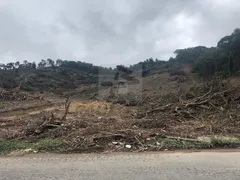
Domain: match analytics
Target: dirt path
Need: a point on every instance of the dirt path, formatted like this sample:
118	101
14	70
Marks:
20	112
164	166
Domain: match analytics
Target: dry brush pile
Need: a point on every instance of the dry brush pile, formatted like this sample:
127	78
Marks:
14	95
213	107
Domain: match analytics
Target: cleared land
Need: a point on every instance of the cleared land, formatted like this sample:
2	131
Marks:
169	112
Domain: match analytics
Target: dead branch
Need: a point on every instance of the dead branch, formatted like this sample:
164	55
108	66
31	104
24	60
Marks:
224	99
214	106
180	99
142	100
204	95
48	126
197	104
184	139
67	105
162	108
219	93
194	102
139	142
204	107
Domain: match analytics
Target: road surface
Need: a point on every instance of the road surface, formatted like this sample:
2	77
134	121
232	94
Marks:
149	166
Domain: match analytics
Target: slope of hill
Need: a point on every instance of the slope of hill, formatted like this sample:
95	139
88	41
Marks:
152	105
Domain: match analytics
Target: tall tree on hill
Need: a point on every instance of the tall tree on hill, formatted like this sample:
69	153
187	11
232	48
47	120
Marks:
42	64
230	45
59	62
10	65
2	66
50	62
25	63
123	69
33	65
189	55
16	64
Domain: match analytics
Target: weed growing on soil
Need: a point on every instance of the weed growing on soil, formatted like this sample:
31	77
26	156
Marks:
7	146
49	145
231	142
54	145
172	144
177	144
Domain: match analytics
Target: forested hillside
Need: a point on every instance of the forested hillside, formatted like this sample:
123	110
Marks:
224	60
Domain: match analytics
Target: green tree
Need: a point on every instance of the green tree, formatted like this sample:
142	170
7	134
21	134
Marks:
25	62
50	62
2	66
33	65
10	65
189	55
42	64
230	45
59	62
16	64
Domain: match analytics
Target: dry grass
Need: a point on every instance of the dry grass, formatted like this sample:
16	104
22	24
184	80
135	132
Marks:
101	109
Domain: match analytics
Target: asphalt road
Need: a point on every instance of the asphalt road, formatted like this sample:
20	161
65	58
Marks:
149	166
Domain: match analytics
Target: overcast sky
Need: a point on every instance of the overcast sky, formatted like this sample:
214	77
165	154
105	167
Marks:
110	32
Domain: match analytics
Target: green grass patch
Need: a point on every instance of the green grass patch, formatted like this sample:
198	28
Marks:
7	146
56	145
179	144
49	145
222	141
215	142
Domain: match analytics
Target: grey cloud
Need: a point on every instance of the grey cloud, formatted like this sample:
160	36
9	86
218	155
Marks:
110	32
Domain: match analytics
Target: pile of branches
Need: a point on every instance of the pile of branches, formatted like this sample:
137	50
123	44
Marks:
214	97
217	96
14	95
128	99
50	122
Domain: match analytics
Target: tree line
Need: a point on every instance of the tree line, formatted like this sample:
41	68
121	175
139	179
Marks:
52	64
